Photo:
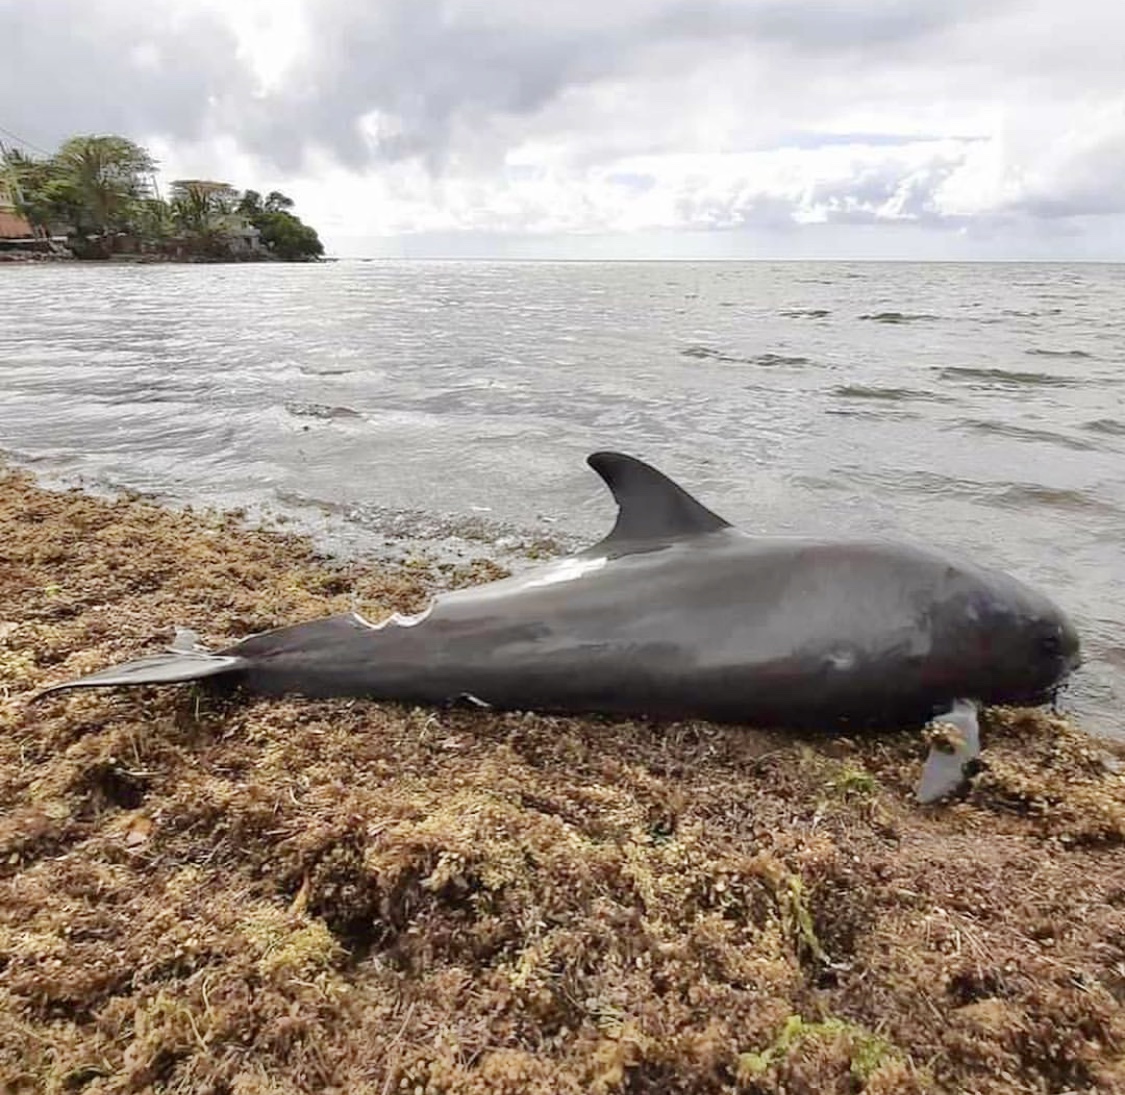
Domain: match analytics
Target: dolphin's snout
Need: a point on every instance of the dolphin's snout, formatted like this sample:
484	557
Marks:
1058	642
1071	646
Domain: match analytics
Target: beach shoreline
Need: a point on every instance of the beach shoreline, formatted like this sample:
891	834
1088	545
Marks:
213	892
35	257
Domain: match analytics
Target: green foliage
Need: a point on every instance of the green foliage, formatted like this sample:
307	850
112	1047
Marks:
250	205
101	181
153	220
200	204
99	190
31	182
276	202
288	237
283	233
204	212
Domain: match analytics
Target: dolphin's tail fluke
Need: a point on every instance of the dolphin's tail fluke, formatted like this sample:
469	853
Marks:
185	660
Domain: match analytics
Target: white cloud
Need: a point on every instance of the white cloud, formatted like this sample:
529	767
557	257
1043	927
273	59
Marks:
778	123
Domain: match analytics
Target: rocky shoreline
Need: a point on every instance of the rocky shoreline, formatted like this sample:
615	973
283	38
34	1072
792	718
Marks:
35	256
146	259
202	892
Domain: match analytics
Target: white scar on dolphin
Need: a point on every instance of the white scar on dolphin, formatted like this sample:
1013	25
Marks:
675	614
395	619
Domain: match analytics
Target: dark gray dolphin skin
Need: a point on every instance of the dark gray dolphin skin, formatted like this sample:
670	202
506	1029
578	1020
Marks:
675	614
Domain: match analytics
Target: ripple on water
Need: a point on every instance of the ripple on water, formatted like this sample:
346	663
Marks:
890	395
1004	378
1027	433
1037	351
1111	426
1023	495
895	411
898	317
708	353
1010	495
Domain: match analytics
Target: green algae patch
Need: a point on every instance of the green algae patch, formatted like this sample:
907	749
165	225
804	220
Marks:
868	1054
852	782
209	892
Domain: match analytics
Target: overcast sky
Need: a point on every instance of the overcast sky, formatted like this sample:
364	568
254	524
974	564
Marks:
612	128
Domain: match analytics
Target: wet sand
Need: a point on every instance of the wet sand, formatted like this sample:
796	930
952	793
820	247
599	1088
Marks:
204	893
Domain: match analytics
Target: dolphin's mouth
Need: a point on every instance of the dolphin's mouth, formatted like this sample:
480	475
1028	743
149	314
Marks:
1055	694
1044	696
1070	663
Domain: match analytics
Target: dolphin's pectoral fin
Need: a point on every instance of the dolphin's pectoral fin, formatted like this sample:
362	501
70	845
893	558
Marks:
650	506
954	747
174	666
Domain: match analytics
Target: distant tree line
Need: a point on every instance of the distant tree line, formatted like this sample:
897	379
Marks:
100	192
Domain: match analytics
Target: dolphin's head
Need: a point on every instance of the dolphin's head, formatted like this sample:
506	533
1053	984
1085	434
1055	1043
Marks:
1022	643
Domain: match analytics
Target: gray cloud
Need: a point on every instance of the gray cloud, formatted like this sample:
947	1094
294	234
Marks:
98	66
807	27
1089	181
889	190
424	67
443	75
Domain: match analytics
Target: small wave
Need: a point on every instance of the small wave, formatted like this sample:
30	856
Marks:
1109	426
892	395
898	317
321	410
307	501
1007	495
707	353
1025	433
702	352
1115	655
1004	378
1037	352
409	532
805	313
1022	495
875	416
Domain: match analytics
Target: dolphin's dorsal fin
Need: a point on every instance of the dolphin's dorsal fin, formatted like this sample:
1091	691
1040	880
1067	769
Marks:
650	506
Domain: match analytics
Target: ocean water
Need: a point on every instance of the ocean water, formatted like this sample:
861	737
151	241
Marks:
383	405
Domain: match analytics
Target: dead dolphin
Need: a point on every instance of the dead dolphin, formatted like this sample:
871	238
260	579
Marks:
676	614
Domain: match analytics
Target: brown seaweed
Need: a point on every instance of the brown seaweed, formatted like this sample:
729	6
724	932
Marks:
207	893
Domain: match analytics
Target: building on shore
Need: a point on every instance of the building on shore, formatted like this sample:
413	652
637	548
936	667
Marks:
15	229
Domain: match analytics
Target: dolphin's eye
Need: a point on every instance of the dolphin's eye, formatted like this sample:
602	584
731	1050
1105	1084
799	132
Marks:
1051	644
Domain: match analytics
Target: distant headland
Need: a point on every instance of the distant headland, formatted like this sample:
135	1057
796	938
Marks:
97	198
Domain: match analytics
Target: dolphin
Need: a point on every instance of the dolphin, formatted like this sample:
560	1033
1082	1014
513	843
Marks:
676	614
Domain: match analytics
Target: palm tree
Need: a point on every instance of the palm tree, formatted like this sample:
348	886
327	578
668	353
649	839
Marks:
102	180
154	222
29	181
204	211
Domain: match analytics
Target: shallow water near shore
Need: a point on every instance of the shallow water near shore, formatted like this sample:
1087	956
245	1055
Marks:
394	406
